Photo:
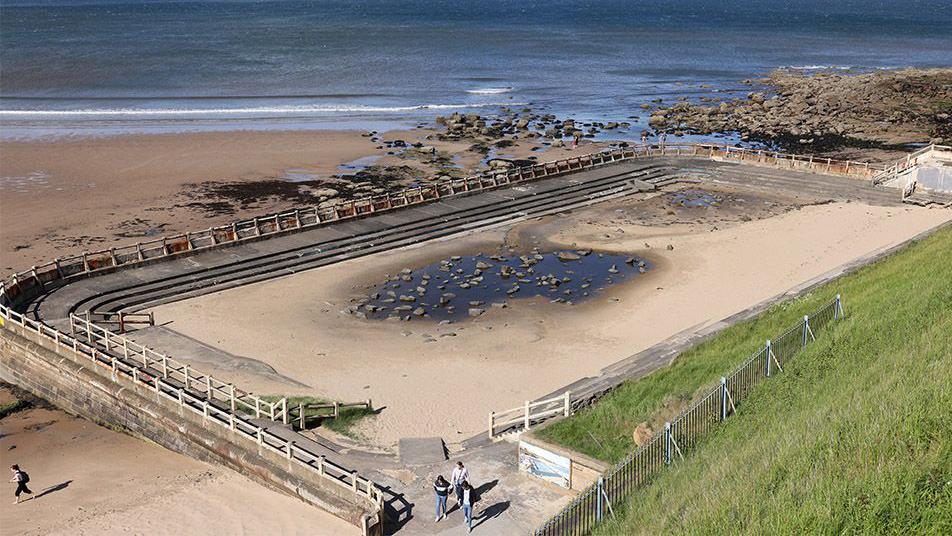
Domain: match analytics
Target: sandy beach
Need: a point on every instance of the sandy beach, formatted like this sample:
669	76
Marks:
418	370
91	480
63	196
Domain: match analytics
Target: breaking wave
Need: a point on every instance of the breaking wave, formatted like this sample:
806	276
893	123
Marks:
252	110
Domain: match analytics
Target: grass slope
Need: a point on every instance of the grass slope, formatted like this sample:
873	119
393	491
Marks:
855	437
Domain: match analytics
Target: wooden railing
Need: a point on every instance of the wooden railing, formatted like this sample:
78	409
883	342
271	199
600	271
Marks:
214	400
522	418
910	161
120	319
38	279
302	413
181	373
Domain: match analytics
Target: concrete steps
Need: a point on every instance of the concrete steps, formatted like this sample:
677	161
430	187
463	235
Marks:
258	268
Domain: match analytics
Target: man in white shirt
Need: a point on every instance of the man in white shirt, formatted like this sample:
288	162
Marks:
460	475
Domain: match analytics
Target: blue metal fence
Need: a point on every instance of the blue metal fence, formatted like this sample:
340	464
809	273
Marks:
684	432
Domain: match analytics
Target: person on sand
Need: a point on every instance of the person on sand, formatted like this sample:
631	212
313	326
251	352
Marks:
644	140
662	137
469	502
460	475
442	489
21	479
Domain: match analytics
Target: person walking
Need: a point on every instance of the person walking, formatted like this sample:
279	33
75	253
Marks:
662	137
442	489
469	502
644	140
21	479
460	475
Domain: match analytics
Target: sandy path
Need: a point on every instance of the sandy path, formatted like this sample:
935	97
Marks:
104	482
446	388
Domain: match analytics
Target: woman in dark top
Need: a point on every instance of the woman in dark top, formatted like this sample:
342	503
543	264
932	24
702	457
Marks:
442	489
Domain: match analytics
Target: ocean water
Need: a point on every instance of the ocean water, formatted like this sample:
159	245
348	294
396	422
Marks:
70	67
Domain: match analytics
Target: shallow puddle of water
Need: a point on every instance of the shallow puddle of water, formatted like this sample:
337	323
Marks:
463	287
299	175
696	198
359	164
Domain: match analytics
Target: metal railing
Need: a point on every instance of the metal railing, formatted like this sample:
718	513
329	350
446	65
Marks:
678	436
36	280
216	402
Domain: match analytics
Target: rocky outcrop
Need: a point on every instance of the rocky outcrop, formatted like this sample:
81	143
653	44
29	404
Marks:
826	110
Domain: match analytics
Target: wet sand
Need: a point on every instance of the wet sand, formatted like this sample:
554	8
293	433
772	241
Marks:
64	196
92	480
443	380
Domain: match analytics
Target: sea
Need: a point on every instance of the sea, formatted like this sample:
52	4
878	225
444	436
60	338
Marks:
71	68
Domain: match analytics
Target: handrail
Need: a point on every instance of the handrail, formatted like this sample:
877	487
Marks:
158	373
172	369
38	277
910	160
502	421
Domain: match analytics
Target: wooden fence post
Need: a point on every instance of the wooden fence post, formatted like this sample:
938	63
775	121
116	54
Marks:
567	410
527	416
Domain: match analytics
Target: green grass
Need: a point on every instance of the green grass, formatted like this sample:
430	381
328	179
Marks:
854	437
343	424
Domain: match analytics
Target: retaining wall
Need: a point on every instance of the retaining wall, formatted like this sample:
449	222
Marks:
34	364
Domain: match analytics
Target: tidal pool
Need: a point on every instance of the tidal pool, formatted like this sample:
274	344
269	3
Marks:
466	286
696	198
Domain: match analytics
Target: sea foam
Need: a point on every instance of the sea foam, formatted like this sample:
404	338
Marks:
270	110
